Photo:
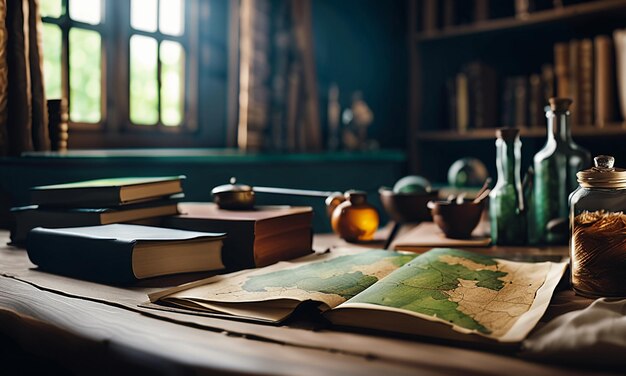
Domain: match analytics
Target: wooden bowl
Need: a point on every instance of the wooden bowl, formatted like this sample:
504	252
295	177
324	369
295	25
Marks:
457	221
407	207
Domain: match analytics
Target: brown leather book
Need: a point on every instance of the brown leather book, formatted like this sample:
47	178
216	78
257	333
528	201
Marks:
574	81
449	11
254	238
561	69
586	75
482	87
429	16
547	81
462	102
481	10
605	111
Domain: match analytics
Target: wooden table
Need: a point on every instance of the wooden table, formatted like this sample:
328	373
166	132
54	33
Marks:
85	327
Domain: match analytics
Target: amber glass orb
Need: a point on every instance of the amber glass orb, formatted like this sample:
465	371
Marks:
355	220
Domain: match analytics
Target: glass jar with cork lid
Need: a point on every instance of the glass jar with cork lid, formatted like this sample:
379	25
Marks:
598	230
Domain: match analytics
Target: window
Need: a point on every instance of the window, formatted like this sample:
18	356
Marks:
129	69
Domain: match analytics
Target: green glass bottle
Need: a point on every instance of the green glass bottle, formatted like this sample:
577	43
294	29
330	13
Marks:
506	200
556	165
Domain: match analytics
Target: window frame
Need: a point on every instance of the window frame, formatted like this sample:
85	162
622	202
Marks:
115	129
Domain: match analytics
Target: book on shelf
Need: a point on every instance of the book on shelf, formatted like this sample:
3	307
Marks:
28	217
507	115
547	80
536	101
482	89
429	16
462	103
521	101
257	237
604	80
106	192
443	293
123	253
561	69
574	81
586	84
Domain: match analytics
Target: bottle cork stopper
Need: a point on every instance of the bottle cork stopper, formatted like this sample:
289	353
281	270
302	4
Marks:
560	104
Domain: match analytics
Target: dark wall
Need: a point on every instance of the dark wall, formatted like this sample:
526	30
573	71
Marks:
361	45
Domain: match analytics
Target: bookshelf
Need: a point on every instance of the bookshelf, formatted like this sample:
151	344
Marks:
512	45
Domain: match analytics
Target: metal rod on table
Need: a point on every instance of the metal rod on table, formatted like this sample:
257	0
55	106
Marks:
289	191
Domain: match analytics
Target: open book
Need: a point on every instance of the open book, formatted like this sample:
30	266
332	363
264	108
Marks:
444	292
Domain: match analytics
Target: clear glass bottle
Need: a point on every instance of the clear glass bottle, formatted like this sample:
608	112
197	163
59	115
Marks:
555	165
598	231
506	200
355	220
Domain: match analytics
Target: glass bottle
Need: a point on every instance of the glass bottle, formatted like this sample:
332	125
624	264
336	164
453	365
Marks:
555	165
506	200
598	231
355	220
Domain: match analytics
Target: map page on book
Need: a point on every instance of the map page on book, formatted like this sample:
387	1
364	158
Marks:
330	278
467	291
471	292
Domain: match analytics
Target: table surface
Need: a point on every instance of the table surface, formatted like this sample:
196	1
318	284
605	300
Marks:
88	327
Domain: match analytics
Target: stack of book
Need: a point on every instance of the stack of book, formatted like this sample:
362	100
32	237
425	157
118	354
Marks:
97	202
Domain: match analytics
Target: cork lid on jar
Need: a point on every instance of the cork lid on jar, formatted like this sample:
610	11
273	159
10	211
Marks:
603	175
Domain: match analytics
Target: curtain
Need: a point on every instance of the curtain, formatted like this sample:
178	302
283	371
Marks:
23	114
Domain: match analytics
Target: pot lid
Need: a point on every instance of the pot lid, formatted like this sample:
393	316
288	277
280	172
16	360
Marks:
603	175
232	187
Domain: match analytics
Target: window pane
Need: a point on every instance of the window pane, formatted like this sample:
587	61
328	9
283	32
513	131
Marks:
85	76
52	60
171	17
172	82
50	8
143	15
143	80
87	11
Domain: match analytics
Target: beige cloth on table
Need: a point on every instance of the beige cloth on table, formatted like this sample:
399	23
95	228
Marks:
595	335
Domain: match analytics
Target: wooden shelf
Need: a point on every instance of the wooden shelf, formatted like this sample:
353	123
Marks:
615	129
540	17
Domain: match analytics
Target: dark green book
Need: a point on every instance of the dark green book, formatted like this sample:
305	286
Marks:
106	192
121	253
28	217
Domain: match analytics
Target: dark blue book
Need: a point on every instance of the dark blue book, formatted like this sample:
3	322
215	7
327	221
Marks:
122	253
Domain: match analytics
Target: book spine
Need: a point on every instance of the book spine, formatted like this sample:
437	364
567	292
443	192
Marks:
561	69
238	247
574	82
521	102
448	13
604	80
481	10
101	197
430	16
547	81
586	82
462	102
619	37
536	101
451	102
108	261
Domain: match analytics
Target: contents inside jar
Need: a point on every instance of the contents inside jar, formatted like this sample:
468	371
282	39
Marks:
599	253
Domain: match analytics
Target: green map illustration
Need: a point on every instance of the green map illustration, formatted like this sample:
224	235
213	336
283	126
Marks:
340	275
459	287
